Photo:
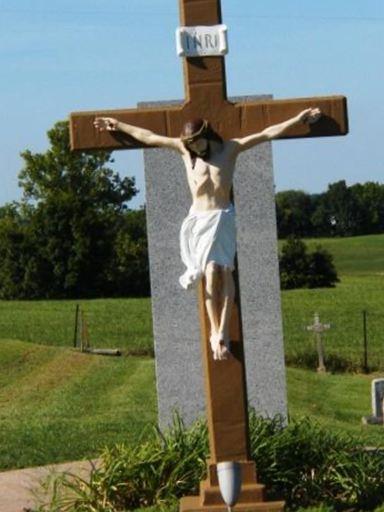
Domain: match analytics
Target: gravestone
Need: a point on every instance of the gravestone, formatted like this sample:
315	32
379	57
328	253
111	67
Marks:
179	374
377	397
318	329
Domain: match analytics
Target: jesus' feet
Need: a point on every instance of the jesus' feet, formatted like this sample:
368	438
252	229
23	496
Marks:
220	346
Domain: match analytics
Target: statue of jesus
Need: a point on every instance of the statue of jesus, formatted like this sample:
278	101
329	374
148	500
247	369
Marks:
207	235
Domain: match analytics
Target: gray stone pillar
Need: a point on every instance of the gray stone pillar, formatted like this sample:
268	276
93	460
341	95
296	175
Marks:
175	316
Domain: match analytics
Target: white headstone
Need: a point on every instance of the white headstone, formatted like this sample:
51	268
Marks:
377	393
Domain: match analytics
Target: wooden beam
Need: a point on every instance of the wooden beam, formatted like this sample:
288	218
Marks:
258	115
84	136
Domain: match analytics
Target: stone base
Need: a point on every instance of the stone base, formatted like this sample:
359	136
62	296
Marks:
193	504
372	420
251	496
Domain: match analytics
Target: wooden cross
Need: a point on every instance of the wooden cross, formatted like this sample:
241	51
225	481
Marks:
318	328
205	93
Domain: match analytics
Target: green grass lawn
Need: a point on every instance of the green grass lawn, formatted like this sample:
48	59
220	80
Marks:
358	255
112	323
360	265
338	401
342	307
57	404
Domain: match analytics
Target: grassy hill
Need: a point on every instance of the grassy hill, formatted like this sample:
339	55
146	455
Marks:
57	404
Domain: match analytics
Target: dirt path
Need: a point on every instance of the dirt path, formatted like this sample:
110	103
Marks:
16	486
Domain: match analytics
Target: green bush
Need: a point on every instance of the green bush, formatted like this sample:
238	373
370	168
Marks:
154	473
321	270
300	269
308	465
302	463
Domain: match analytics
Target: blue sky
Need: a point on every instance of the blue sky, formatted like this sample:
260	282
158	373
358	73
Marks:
63	56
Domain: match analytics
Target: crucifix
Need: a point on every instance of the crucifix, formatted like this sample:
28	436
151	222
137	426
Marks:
206	98
318	329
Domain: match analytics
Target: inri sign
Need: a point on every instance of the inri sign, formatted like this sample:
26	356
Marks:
201	41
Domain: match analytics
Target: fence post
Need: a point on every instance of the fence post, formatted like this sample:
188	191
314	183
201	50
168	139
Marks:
365	338
76	326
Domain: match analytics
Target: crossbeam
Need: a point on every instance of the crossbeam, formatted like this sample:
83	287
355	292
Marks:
228	119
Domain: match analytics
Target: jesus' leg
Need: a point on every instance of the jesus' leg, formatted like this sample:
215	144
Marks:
228	295
213	302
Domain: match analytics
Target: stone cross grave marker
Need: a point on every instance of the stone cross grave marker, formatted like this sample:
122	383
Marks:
318	329
205	91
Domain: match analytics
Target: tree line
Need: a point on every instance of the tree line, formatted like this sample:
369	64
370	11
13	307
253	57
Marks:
72	234
340	211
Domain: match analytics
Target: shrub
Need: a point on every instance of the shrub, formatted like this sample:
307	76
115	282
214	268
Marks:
321	270
155	473
308	465
302	463
300	269
293	264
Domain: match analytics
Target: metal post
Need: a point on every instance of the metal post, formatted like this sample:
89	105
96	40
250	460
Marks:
365	338
76	326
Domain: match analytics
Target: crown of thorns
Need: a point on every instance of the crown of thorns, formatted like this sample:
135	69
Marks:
193	136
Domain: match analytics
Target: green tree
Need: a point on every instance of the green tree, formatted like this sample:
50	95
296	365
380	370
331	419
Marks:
337	212
60	240
129	268
294	210
368	199
349	211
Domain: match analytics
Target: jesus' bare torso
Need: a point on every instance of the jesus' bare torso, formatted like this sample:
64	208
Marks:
210	165
210	181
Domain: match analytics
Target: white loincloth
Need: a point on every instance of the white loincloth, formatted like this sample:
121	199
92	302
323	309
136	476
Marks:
207	236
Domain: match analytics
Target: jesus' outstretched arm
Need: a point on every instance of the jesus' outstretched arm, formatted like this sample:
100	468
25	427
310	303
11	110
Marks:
309	115
141	134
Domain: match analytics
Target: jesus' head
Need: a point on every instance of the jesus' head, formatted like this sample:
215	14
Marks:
195	137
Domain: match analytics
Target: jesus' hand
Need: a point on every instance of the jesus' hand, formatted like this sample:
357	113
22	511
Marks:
310	115
106	123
